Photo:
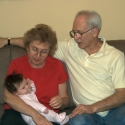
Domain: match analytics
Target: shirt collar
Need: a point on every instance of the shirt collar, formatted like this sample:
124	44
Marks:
103	47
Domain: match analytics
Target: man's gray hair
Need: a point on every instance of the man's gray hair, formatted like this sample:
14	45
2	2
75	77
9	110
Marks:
93	19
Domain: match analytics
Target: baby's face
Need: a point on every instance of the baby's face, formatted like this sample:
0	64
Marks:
24	87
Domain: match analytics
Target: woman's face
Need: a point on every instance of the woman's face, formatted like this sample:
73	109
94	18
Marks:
37	53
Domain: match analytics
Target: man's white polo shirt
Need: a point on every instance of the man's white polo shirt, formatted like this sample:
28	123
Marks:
92	77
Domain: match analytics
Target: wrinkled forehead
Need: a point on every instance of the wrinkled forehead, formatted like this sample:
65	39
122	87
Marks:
80	24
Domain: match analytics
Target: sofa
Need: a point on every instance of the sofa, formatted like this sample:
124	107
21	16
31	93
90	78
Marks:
10	52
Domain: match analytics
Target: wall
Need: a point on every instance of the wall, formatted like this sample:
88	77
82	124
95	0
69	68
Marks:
17	16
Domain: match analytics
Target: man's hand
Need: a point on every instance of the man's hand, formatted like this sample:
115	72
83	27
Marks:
82	109
56	102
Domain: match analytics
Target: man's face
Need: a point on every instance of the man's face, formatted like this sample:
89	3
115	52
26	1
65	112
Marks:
83	36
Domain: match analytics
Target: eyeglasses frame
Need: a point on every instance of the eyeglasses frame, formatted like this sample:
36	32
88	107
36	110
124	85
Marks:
37	51
70	33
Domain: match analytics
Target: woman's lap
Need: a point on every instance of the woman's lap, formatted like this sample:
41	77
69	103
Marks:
12	117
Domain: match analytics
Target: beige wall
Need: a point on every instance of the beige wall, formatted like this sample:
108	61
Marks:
17	16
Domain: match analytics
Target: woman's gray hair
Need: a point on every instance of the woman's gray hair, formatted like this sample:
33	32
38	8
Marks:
93	19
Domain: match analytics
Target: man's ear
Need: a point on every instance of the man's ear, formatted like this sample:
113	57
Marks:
95	32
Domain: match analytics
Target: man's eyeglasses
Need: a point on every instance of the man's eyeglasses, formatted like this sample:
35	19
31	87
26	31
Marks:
35	51
72	33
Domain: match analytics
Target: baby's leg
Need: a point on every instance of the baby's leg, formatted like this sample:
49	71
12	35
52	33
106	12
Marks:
28	119
55	117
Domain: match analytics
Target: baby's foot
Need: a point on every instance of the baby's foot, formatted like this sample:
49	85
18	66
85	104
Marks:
62	118
65	120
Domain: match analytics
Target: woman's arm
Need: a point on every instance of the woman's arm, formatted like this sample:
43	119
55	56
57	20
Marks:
62	100
64	95
17	104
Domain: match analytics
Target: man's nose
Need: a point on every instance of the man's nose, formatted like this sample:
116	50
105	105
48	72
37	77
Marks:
76	37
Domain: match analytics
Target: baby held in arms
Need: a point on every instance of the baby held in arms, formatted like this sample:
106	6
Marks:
25	89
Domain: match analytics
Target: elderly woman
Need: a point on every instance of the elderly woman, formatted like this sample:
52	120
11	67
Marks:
47	73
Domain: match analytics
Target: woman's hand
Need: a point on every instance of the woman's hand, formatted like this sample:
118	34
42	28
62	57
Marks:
56	102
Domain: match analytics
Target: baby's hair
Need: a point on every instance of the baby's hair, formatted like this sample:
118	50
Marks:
12	81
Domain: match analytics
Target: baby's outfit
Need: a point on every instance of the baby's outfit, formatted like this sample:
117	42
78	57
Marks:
32	100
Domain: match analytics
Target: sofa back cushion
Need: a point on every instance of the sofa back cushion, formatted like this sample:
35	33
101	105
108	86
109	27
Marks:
119	44
7	53
4	63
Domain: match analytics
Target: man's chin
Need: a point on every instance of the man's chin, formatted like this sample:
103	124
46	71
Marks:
80	45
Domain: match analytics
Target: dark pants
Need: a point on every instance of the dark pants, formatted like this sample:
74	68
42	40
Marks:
12	117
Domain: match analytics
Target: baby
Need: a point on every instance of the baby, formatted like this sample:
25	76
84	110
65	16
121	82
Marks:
25	89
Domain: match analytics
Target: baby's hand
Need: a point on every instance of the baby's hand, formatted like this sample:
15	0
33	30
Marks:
29	81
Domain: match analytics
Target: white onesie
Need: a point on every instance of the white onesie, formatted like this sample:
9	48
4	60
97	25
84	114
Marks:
32	100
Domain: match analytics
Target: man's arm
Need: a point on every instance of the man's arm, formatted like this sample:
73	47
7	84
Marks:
113	101
17	104
14	41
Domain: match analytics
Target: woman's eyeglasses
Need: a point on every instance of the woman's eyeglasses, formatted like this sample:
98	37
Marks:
35	51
